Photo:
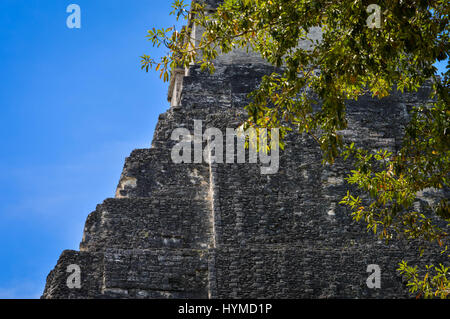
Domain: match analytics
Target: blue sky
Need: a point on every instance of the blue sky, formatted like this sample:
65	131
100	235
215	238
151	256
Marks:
73	104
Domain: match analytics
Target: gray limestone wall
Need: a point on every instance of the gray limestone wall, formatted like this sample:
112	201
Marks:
137	274
308	271
143	223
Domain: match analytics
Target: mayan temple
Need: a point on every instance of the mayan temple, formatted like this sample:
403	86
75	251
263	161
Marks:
217	230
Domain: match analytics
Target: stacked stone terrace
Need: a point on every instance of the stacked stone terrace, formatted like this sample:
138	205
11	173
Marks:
225	230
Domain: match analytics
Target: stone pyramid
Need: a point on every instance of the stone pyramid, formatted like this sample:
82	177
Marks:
215	230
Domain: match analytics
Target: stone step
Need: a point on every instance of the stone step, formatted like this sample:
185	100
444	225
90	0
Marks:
184	118
167	273
292	271
91	274
156	273
165	221
150	171
253	271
